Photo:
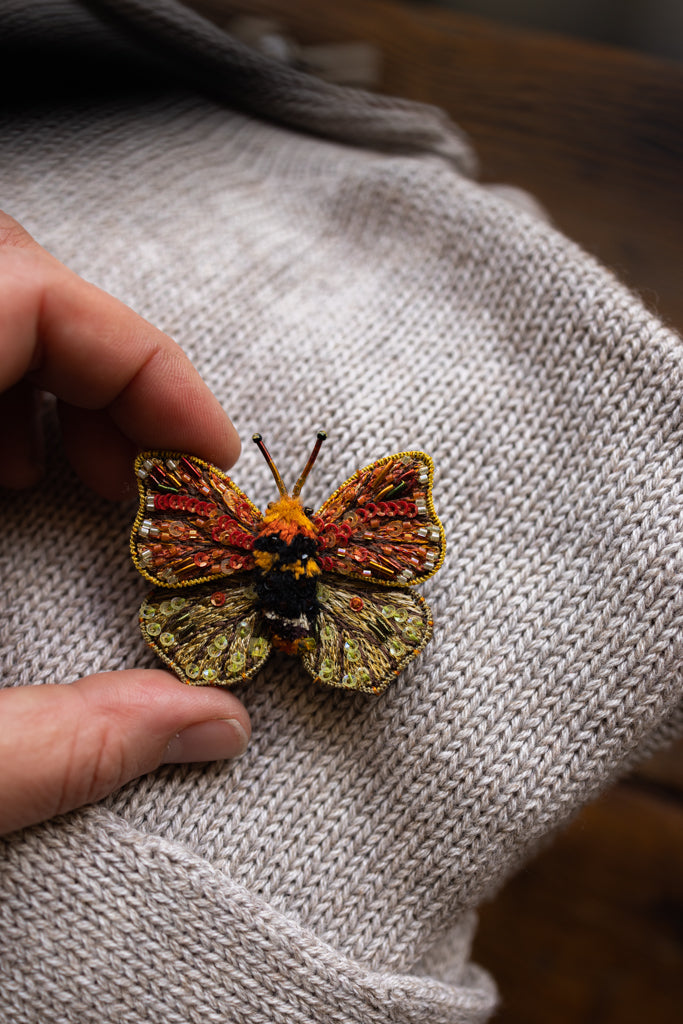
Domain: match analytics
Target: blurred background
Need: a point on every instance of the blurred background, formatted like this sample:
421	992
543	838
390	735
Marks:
653	26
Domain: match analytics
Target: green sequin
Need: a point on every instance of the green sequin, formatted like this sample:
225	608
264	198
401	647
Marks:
413	629
192	671
166	639
326	670
351	650
236	661
258	648
153	628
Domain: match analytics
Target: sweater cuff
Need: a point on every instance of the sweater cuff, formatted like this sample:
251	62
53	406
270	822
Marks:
124	926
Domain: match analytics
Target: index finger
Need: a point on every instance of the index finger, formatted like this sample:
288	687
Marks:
95	354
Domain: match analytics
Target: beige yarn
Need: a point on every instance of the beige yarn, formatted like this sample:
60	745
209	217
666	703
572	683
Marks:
330	874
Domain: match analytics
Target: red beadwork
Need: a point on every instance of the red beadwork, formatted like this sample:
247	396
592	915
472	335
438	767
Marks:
183	503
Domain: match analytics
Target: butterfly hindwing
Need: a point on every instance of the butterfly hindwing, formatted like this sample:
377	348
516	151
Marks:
380	525
193	523
208	634
365	635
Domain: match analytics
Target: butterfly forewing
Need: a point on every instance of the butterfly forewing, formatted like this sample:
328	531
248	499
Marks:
381	526
207	635
365	635
193	523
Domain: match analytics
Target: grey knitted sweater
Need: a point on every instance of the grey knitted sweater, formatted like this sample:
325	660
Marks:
327	260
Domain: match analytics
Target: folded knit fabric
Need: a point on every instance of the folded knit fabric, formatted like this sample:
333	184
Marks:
364	283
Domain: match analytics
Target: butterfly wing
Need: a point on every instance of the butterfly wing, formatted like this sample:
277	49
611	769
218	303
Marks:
193	524
365	635
380	525
207	635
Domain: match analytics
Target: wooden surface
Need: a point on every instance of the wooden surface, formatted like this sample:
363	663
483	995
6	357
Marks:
592	931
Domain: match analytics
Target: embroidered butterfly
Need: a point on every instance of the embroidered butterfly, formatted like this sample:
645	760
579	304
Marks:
333	587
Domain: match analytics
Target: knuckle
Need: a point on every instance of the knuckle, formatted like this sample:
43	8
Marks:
97	758
88	779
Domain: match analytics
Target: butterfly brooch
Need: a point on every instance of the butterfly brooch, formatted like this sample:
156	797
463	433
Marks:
333	587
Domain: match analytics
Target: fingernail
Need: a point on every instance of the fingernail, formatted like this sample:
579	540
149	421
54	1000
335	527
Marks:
217	740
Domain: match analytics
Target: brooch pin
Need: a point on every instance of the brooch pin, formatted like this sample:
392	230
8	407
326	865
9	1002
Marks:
333	587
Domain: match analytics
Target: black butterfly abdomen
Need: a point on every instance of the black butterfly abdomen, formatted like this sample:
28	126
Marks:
279	591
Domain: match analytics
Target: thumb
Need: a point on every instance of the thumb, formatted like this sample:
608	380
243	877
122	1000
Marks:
68	745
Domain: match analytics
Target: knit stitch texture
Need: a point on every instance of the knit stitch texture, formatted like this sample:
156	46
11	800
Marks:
330	875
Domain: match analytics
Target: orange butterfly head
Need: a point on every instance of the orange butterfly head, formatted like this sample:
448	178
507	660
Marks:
287	516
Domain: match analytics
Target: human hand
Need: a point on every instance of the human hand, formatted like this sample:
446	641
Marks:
121	385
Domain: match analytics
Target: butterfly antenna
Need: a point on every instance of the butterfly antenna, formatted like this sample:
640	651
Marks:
321	436
258	441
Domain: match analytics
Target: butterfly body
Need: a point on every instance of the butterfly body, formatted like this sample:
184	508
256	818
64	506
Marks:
332	587
286	574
